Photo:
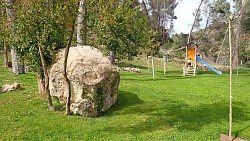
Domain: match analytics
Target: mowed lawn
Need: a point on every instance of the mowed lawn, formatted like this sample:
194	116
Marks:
169	108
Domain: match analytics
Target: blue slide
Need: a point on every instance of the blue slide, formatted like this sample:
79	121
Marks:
209	66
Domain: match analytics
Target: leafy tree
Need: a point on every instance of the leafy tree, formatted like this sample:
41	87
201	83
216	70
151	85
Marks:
211	38
4	32
177	42
198	20
17	61
71	17
42	27
244	53
120	28
221	10
161	13
246	22
153	46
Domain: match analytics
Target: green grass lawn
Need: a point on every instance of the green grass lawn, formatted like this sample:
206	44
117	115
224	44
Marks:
171	108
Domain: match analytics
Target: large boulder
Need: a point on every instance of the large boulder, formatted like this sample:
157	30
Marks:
93	79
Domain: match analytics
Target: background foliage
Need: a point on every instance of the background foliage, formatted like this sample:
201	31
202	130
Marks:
42	24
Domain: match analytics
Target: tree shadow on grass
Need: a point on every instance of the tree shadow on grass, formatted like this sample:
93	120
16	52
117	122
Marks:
124	100
185	117
202	72
169	114
237	133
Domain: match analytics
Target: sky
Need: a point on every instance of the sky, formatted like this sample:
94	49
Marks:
184	15
184	12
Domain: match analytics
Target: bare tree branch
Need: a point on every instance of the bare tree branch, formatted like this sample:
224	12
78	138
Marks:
195	18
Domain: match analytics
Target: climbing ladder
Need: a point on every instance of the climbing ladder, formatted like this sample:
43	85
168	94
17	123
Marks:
189	71
189	67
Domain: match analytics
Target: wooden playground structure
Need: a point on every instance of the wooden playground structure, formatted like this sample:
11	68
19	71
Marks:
189	67
191	58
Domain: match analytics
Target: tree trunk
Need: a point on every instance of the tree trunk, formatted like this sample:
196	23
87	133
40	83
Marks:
230	83
80	24
65	67
124	1
221	46
145	7
163	23
236	49
164	63
148	63
153	68
46	78
218	56
237	42
112	57
17	62
40	84
196	15
6	59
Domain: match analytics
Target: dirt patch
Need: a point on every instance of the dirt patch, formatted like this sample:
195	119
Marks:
224	137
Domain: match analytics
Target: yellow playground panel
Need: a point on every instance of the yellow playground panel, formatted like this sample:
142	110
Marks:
190	60
191	54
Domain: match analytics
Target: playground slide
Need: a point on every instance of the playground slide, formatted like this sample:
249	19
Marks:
209	66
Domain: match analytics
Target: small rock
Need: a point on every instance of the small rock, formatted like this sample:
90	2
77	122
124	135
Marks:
10	87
